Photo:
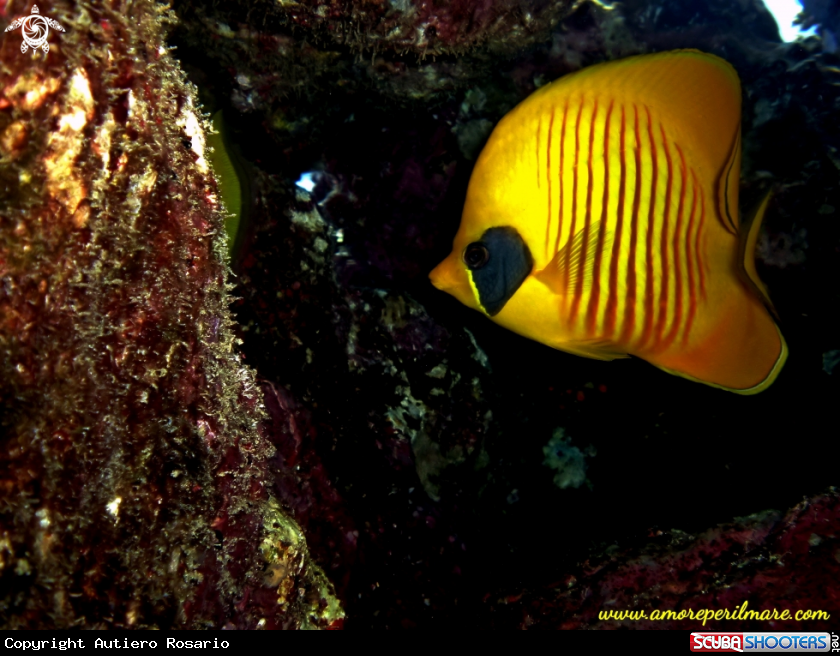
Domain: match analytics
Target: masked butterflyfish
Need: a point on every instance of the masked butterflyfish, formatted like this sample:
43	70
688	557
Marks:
602	219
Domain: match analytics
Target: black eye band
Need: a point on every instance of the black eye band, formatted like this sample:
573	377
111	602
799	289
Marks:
499	263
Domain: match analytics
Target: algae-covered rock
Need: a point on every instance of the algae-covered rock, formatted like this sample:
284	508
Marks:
428	28
134	474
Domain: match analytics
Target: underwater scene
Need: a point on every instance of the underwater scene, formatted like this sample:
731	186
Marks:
405	314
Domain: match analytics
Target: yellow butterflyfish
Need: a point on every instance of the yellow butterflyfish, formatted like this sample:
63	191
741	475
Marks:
601	219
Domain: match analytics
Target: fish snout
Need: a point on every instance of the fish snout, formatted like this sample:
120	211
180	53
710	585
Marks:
451	276
445	275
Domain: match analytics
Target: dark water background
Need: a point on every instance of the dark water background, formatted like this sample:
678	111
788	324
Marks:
669	454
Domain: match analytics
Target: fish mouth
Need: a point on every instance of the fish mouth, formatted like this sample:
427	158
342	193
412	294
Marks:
450	276
444	276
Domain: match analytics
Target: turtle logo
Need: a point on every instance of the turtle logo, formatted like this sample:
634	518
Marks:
35	29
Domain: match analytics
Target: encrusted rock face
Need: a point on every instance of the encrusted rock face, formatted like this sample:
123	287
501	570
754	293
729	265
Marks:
766	572
428	28
134	477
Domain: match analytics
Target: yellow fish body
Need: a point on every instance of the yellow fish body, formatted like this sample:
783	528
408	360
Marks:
601	219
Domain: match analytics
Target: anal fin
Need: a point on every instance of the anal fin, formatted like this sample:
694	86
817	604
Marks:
596	349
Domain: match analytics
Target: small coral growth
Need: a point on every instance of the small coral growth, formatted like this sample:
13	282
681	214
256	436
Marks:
568	460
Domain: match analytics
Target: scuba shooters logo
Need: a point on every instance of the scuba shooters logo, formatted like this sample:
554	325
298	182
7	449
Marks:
35	29
802	642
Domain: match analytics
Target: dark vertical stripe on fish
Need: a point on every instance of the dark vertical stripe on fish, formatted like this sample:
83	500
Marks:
722	187
677	249
650	310
574	192
612	298
595	297
701	264
629	319
560	189
664	251
630	308
584	251
693	282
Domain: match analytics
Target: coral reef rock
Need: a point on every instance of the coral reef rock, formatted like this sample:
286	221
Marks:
768	571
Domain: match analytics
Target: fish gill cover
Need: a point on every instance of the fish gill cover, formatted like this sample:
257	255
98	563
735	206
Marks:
348	441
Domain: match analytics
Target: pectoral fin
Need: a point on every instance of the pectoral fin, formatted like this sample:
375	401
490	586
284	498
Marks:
573	264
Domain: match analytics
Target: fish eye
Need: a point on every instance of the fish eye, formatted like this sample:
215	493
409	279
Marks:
476	255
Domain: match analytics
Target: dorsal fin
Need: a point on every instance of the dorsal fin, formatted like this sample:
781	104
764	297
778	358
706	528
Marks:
750	228
567	269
